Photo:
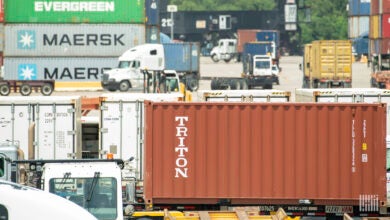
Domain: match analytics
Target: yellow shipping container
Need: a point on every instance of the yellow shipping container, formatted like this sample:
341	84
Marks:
374	27
330	64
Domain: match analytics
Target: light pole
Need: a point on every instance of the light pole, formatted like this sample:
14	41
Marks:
172	8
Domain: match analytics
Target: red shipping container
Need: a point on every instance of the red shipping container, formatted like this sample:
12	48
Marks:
385	6
245	36
386	25
374	7
264	153
385	46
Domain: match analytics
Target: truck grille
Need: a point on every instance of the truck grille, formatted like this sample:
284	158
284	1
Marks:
105	77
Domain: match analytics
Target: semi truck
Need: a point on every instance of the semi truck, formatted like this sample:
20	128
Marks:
257	72
327	64
225	50
135	64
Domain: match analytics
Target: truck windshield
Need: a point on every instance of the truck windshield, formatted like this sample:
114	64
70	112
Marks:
262	65
103	200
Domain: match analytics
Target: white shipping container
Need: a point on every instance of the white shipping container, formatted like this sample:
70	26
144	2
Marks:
122	122
55	122
350	95
61	69
358	25
243	95
69	40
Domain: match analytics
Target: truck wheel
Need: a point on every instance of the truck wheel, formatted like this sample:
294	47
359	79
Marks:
243	84
25	89
5	90
124	86
192	84
214	84
235	84
215	58
46	89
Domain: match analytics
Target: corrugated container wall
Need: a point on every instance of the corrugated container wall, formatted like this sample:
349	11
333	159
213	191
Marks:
245	36
55	121
358	25
375	23
374	9
359	7
264	152
152	9
69	69
384	6
385	25
152	34
50	11
182	56
268	35
100	40
243	95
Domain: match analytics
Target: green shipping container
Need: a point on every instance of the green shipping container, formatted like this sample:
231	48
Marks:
74	11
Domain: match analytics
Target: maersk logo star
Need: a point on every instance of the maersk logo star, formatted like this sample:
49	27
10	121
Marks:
26	39
27	72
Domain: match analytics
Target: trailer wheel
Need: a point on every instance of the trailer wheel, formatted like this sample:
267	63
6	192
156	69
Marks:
46	89
25	89
124	86
214	84
192	84
5	89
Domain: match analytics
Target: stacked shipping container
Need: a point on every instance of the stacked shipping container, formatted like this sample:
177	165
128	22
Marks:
380	27
358	25
71	42
152	21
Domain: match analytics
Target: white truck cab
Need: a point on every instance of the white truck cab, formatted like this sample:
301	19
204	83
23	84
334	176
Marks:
133	66
225	50
262	65
22	202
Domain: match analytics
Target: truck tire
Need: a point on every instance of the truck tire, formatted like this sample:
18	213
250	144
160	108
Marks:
5	90
124	86
214	84
243	84
214	58
25	89
46	89
235	84
192	84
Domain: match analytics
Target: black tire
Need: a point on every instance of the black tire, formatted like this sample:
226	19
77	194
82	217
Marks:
5	89
214	58
47	89
267	86
25	89
244	84
214	84
314	84
192	84
235	84
124	86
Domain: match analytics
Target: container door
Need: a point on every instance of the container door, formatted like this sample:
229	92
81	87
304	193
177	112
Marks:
55	131
225	22
14	123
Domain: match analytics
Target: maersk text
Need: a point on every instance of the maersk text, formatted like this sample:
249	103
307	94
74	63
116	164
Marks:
94	6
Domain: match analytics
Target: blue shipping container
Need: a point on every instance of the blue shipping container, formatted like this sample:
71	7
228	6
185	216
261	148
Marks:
152	9
270	35
360	44
359	7
152	34
182	57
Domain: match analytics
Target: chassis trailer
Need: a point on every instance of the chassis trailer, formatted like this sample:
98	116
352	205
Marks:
25	87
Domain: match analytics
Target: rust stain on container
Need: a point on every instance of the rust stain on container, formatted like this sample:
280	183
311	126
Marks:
264	152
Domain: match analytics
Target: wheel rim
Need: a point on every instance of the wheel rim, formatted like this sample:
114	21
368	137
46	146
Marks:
25	90
124	86
4	90
46	89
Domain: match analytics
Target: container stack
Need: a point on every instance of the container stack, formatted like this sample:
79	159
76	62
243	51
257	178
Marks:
152	21
358	25
72	42
380	27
